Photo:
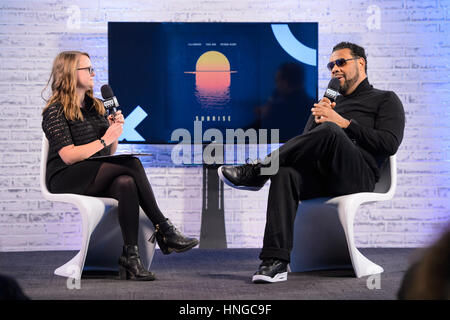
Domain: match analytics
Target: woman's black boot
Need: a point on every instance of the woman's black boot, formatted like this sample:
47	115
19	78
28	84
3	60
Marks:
130	265
170	239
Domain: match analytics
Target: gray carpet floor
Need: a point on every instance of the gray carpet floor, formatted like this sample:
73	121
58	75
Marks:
205	274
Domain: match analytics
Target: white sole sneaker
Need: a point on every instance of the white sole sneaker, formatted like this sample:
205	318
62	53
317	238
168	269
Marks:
229	183
257	278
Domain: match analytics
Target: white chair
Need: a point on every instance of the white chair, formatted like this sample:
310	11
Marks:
323	229
101	243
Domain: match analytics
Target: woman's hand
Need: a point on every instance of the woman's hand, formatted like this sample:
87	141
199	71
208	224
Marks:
116	118
113	133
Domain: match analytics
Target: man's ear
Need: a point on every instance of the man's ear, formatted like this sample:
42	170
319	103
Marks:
362	63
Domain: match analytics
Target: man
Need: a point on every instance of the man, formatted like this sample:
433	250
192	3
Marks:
341	151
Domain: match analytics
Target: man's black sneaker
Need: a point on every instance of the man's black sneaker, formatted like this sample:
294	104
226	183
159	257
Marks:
245	177
271	270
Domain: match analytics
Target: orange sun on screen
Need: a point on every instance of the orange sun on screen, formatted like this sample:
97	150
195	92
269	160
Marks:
212	79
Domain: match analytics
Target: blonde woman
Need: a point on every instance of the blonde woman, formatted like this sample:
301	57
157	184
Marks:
76	125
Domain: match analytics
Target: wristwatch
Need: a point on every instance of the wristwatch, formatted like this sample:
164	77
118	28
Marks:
103	142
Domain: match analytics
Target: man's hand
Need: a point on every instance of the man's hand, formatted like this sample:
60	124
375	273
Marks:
326	103
324	111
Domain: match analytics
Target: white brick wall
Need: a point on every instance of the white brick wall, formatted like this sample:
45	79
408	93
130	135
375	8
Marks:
408	52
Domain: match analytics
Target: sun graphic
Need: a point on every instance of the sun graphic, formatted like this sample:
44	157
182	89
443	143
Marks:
212	61
212	79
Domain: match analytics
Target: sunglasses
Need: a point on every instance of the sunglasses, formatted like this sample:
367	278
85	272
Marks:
339	62
89	69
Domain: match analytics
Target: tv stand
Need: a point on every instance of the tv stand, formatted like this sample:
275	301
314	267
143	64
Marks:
212	232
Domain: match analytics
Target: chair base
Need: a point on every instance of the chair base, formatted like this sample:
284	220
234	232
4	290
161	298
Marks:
320	242
70	269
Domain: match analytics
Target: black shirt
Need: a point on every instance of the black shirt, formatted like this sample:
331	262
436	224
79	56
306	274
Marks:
61	132
377	122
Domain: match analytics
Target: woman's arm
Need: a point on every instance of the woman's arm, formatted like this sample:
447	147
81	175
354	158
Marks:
72	154
114	147
116	118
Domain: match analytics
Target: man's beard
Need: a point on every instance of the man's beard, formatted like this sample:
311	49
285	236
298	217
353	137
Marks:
349	82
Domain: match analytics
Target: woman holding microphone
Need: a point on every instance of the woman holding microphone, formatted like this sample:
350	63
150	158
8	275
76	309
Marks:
77	129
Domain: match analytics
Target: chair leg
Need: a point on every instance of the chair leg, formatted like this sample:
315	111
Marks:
361	265
90	217
74	267
70	269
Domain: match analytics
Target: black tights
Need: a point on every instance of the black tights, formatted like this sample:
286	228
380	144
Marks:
124	179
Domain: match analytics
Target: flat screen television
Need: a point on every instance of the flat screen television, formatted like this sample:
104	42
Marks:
225	76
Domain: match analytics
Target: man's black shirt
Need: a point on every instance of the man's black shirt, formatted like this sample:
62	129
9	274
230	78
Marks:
377	122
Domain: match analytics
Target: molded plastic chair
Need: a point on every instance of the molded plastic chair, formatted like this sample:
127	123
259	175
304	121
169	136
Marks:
323	229
101	244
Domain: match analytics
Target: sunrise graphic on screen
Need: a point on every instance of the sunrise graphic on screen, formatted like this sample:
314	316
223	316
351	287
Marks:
212	80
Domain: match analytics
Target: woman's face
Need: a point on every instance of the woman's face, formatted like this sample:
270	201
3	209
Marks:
85	79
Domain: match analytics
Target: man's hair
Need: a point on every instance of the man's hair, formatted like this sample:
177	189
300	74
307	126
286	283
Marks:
355	50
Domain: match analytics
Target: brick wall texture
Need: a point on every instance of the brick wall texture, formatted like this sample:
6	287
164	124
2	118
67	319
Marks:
408	52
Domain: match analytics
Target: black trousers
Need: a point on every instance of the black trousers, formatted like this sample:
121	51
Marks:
322	162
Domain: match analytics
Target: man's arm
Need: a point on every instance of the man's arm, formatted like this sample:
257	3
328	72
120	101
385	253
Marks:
387	135
310	124
313	119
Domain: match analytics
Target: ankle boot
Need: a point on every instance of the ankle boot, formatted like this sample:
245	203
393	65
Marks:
170	239
131	267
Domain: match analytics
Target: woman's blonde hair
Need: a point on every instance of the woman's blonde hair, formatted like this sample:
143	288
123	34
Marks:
63	80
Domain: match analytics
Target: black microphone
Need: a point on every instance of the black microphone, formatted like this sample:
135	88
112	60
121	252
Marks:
333	89
110	101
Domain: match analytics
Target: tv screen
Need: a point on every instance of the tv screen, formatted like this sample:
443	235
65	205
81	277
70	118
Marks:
225	76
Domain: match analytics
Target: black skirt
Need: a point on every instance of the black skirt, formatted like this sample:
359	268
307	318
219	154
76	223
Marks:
75	178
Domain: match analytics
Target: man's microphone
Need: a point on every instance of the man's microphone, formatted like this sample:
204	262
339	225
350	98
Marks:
332	91
110	101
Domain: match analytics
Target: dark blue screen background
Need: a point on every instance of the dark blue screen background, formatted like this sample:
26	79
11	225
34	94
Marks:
148	61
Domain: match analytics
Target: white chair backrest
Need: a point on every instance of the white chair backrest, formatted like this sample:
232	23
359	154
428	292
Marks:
43	169
388	178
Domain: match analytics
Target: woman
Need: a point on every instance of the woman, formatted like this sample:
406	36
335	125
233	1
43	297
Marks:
77	128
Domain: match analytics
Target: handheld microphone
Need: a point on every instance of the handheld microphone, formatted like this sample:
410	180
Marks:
110	101
333	89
